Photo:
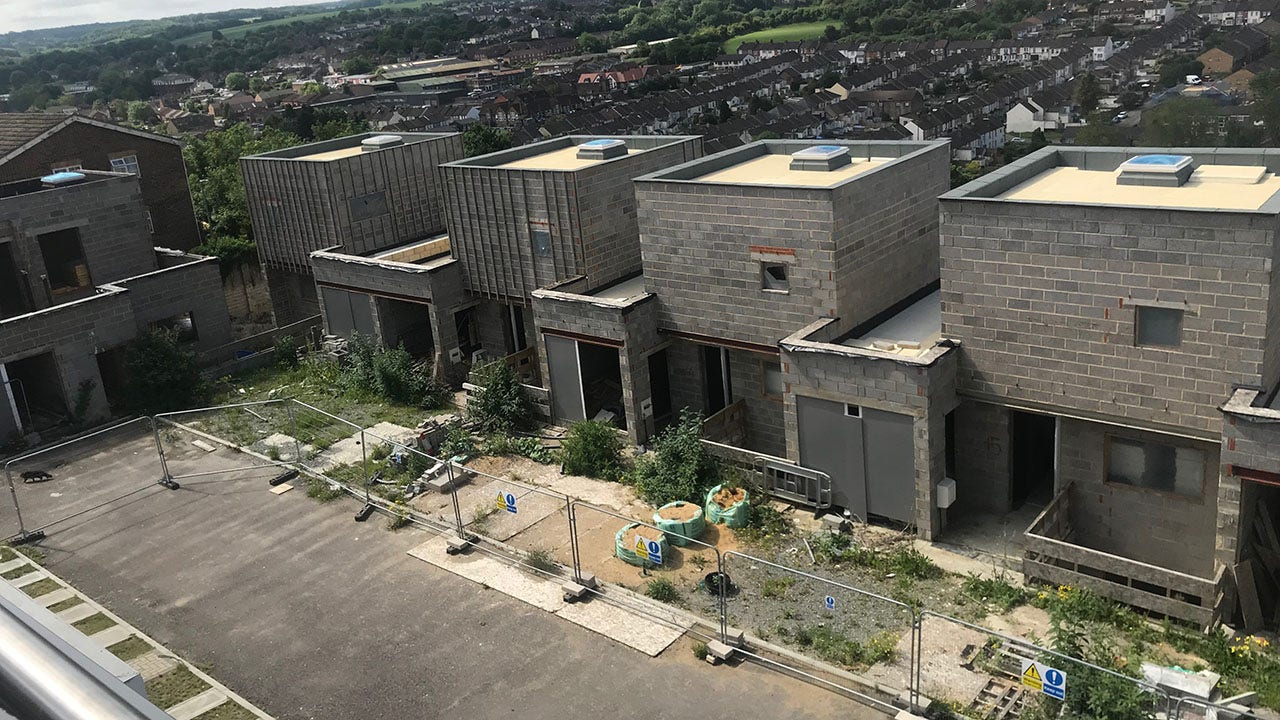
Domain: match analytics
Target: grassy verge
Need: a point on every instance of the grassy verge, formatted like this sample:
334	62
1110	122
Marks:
65	604
174	687
782	33
227	711
17	572
41	587
94	624
130	648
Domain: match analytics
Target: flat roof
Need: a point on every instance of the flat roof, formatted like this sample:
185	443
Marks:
628	288
1220	179
1225	187
345	147
561	154
560	159
776	170
768	162
918	324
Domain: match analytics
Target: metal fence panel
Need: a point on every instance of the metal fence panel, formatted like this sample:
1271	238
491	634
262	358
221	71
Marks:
79	477
977	673
667	586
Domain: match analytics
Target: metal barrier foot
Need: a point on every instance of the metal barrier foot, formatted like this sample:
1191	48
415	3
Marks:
27	537
459	544
718	652
364	513
170	483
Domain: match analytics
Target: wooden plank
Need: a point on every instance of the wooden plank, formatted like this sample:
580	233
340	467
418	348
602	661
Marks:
1151	574
1055	575
1250	607
1267	527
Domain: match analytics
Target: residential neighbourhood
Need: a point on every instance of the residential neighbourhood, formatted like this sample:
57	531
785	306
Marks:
864	372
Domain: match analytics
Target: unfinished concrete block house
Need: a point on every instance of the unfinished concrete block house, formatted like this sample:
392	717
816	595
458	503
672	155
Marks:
1037	364
79	279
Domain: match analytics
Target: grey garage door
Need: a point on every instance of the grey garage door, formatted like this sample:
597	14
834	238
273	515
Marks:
347	313
566	378
868	454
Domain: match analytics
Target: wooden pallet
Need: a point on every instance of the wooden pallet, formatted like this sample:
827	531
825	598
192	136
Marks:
999	700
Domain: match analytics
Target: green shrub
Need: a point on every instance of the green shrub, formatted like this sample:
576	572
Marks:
399	518
910	562
829	645
322	490
284	352
499	403
504	444
904	561
458	442
776	587
541	559
700	650
594	449
767	525
680	468
995	593
662	590
391	374
163	375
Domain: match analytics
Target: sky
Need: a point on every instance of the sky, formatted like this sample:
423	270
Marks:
31	14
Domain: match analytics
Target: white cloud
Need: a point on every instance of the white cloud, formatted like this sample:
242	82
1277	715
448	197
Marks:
31	14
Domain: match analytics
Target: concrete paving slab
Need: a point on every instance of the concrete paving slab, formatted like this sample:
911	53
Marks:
111	635
56	596
25	580
634	631
13	564
153	664
491	572
198	705
76	613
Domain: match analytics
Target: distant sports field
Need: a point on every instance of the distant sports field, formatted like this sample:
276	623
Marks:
782	33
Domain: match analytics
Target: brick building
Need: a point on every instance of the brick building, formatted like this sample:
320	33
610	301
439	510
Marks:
36	144
357	196
80	278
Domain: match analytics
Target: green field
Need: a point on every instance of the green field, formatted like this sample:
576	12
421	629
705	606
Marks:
235	31
782	33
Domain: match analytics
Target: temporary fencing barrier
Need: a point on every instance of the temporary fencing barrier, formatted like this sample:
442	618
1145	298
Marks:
830	621
212	441
1009	675
628	552
79	477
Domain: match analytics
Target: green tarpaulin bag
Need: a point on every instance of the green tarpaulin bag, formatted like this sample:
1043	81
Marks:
736	515
624	545
680	531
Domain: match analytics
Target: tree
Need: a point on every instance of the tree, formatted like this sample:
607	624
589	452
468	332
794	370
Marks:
257	85
1100	131
217	190
163	375
481	139
1175	69
140	113
1129	100
1265	87
591	44
831	33
237	81
356	66
1088	93
1181	122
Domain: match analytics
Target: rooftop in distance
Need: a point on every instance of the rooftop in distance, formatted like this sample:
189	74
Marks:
350	146
53	182
793	163
573	152
1197	179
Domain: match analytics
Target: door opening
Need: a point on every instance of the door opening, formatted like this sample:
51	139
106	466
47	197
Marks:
1032	453
660	389
715	372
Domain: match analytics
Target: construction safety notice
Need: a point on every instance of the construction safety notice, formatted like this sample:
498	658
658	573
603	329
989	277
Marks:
1042	678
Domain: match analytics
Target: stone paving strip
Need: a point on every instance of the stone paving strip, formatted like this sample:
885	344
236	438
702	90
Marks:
152	664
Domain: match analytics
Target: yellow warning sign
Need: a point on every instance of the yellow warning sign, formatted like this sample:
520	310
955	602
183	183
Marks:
1031	677
642	547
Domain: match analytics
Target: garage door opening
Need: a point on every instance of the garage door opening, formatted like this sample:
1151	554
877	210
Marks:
407	324
41	385
1257	572
111	366
13	301
1031	457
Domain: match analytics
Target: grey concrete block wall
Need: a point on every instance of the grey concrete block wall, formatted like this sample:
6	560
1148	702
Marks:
1250	442
107	211
764	417
925	392
632	325
298	206
590	214
1157	528
983	484
1043	296
195	288
853	250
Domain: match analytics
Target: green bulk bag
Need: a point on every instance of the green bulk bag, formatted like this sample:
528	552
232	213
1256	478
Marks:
679	532
736	515
624	547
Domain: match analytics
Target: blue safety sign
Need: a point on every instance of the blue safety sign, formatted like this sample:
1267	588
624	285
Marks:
1048	680
1055	683
829	603
649	548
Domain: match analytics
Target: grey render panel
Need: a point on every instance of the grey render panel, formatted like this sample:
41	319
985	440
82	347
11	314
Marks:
298	205
494	211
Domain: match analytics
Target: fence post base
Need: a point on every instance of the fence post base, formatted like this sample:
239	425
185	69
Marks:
459	544
169	483
27	537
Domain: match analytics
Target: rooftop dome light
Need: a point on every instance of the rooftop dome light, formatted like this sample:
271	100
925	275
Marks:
1156	170
822	158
